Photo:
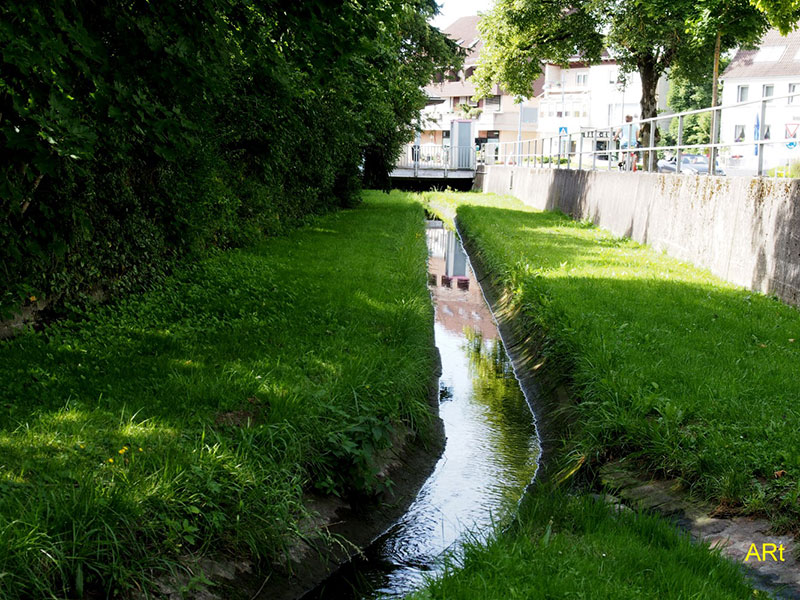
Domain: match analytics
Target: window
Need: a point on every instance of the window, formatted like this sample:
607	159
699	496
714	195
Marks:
738	134
581	79
767	90
492	103
741	93
794	88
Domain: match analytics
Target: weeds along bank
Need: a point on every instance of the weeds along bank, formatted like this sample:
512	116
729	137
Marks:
192	419
569	546
685	375
135	133
690	376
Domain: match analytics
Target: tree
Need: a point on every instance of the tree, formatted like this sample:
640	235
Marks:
690	93
649	37
782	14
132	133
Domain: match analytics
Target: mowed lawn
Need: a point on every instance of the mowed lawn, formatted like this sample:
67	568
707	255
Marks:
687	375
193	418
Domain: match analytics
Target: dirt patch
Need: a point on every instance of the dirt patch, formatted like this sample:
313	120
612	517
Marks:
254	412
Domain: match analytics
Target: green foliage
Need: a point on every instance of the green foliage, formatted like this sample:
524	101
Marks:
247	379
519	37
133	133
792	170
649	37
782	14
691	93
568	546
668	363
470	112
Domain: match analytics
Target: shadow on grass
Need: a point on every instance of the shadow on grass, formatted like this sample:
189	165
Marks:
232	377
693	376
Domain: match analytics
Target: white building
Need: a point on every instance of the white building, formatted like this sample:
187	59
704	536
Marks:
496	118
587	96
771	71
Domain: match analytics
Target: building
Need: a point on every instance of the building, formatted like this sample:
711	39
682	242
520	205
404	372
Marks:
771	71
565	99
581	97
585	96
495	119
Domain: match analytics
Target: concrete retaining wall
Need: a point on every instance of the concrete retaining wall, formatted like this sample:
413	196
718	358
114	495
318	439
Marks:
743	229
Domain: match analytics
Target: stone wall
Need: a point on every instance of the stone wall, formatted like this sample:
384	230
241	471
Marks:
743	229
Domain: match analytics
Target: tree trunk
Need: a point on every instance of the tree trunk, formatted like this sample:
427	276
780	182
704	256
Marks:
714	101
648	104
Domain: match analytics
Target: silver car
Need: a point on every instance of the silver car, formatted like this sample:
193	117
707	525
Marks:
691	164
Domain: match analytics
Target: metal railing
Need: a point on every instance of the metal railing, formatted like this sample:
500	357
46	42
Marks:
665	150
433	156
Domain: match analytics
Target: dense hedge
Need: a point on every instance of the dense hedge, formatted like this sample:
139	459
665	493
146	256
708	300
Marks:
135	132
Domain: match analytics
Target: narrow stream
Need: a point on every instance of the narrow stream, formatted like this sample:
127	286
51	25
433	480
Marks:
491	450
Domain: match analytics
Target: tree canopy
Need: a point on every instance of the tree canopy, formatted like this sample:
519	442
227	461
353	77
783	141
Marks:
782	14
648	37
134	132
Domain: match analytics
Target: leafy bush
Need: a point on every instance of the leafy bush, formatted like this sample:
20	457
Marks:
134	133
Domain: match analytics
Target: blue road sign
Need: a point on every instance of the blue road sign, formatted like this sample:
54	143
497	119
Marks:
562	131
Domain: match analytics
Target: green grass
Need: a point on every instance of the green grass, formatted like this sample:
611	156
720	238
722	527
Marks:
193	418
688	375
682	373
792	170
576	547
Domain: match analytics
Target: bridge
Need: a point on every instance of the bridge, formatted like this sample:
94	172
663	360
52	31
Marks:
431	163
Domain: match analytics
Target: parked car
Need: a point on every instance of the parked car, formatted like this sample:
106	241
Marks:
692	164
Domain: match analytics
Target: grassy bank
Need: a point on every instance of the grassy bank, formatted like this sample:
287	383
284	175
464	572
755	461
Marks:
690	376
193	418
685	375
577	547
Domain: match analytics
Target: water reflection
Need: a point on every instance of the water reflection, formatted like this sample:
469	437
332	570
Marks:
491	449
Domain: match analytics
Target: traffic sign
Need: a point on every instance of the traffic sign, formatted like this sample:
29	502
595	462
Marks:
562	131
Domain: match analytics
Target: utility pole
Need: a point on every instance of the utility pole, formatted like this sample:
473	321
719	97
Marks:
520	100
712	167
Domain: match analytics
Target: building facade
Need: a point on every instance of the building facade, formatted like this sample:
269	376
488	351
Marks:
496	118
771	71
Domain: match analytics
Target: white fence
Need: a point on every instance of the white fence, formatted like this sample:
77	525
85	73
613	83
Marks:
433	156
766	152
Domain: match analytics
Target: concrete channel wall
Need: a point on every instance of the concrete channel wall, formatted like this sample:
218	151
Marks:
743	229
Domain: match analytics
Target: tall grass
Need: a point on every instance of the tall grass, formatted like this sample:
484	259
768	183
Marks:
193	418
690	376
577	547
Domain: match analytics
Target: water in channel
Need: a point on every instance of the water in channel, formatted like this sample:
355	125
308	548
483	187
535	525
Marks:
491	450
